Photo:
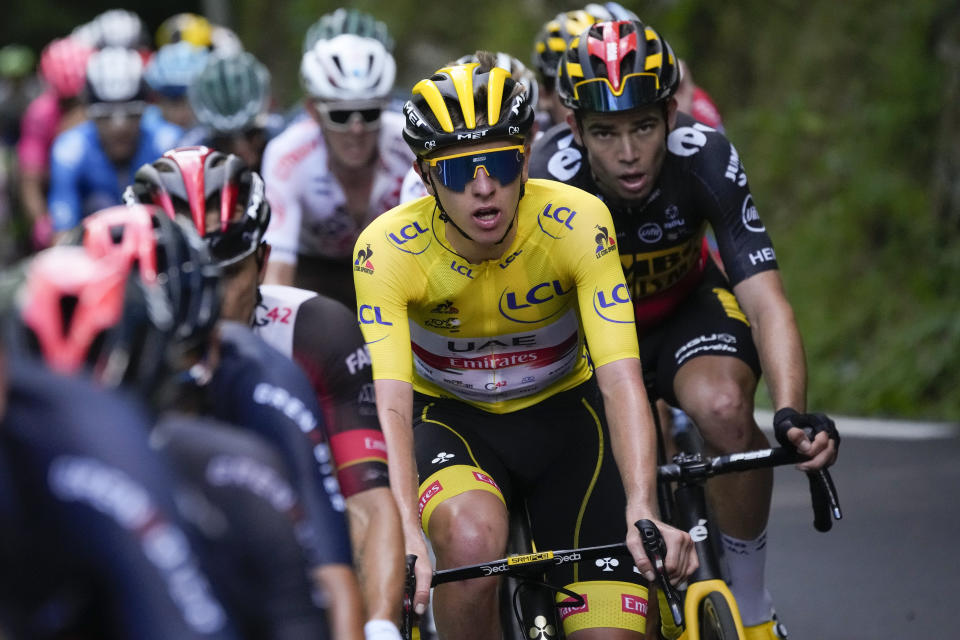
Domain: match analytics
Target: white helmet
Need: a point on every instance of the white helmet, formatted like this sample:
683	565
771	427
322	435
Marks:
115	74
348	67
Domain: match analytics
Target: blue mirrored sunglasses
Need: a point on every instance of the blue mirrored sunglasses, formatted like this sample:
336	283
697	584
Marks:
456	171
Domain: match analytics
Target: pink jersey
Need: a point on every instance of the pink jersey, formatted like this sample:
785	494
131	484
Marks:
38	127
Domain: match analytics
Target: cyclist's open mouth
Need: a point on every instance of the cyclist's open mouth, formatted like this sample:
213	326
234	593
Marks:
487	217
633	181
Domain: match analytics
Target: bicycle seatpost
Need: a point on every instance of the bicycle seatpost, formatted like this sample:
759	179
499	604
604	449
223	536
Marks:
656	550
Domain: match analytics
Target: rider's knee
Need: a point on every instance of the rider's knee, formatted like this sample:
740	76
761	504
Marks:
725	416
469	529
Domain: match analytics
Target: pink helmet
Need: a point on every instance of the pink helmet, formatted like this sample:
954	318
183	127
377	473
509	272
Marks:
63	65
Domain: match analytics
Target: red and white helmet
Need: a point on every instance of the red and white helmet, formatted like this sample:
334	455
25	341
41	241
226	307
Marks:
192	180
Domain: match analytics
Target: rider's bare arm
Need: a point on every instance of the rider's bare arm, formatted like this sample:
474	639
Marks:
633	442
782	359
377	551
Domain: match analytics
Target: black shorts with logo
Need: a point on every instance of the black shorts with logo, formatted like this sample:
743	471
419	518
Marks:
555	457
708	323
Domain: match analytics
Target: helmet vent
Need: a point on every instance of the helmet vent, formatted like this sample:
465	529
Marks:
116	233
68	306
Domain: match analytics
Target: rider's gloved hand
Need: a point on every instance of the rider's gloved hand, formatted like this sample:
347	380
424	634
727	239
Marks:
813	434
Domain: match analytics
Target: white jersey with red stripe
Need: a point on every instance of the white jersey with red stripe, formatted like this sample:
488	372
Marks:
310	214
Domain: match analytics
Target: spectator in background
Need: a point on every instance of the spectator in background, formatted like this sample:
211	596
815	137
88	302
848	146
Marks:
169	73
63	65
92	163
230	98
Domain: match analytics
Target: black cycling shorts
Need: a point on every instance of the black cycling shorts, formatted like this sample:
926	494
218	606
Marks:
555	457
708	323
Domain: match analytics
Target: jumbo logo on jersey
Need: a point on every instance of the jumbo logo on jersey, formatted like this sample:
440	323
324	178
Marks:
410	238
554	220
362	262
613	305
527	306
648	273
372	315
605	242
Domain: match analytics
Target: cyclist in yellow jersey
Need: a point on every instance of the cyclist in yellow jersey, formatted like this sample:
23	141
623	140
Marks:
477	304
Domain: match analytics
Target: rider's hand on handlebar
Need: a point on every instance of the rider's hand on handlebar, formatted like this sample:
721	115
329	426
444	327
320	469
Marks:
423	570
681	560
811	434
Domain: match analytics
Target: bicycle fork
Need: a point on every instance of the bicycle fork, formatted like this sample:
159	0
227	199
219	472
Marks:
692	515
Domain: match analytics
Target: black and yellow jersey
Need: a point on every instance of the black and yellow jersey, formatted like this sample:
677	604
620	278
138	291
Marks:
504	334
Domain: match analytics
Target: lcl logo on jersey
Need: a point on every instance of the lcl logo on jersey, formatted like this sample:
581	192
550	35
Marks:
608	304
513	304
406	235
362	263
562	215
605	242
372	315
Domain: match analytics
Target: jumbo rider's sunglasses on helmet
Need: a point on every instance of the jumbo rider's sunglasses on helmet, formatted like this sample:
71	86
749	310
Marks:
456	171
636	90
339	117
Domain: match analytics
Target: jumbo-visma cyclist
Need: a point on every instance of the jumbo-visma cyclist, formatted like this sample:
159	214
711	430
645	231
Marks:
476	302
666	177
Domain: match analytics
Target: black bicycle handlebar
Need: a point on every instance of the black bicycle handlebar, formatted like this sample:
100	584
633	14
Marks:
695	468
518	565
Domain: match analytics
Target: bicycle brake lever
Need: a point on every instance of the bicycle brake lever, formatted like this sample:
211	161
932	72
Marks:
656	550
409	586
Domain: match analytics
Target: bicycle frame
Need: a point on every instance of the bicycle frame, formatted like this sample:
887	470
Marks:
686	508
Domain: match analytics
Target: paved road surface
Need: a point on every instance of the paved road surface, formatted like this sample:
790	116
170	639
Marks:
891	567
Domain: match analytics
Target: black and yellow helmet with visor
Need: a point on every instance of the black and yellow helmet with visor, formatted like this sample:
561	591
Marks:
461	105
465	103
617	66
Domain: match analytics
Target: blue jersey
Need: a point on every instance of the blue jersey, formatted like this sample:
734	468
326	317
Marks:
89	522
82	178
257	387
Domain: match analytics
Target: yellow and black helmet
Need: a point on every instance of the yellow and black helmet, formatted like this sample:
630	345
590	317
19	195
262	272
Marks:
617	66
465	103
552	41
555	36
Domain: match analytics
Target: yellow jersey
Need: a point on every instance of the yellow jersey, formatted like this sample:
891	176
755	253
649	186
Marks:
503	334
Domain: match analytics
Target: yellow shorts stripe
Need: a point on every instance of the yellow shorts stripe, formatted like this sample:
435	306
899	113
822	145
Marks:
593	482
730	306
607	604
449	482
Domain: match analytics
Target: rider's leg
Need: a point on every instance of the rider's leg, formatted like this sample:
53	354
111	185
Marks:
717	392
468	529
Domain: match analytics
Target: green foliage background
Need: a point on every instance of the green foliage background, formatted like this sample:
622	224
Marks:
838	111
834	108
